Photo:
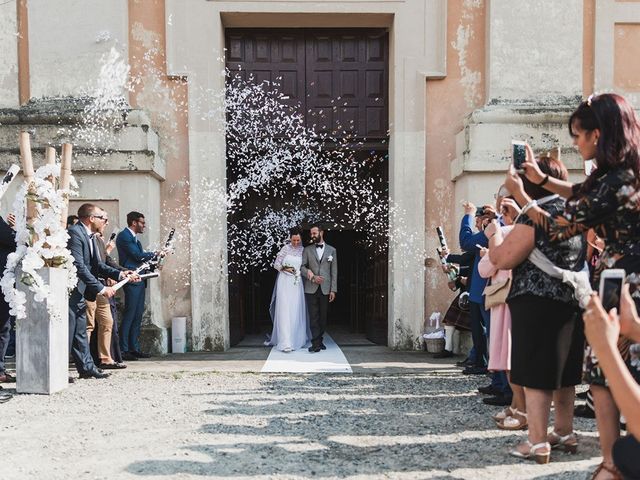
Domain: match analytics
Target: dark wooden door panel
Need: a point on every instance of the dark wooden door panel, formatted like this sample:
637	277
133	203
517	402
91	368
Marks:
338	77
347	82
273	56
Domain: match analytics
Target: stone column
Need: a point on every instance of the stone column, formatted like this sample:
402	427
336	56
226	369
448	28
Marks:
42	340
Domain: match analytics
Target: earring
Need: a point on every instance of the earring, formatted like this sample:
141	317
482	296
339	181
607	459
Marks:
596	142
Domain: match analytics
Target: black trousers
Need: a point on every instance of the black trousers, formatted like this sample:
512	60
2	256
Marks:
78	343
317	305
626	456
116	353
478	333
5	331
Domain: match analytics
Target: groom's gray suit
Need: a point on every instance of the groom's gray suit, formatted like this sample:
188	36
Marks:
318	295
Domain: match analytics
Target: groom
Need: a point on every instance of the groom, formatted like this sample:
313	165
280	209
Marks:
320	272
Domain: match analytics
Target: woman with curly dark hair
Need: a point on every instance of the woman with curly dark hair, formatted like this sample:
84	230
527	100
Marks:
606	129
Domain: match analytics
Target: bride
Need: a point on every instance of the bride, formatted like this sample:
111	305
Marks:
289	310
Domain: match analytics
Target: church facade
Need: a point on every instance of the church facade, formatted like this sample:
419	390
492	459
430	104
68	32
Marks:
438	87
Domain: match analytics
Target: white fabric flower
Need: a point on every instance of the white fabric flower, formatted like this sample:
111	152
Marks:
50	248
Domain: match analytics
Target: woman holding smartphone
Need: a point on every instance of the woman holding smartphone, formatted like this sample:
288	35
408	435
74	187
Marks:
604	129
546	326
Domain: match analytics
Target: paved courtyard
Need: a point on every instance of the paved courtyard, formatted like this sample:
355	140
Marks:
215	416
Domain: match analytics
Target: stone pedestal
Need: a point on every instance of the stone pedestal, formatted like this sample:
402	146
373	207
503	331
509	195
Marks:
42	342
154	339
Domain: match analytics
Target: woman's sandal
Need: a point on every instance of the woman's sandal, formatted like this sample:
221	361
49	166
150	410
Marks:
502	414
609	469
540	458
568	443
516	421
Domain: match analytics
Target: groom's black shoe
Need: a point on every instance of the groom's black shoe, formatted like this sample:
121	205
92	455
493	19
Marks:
314	349
322	346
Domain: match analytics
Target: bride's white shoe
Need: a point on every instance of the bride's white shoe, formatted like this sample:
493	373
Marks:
287	350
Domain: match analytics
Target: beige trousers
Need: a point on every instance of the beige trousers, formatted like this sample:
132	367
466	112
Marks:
99	312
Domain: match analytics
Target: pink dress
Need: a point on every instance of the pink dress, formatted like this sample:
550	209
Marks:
500	331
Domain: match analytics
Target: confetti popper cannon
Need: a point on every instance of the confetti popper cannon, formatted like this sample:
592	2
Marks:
8	178
452	272
150	265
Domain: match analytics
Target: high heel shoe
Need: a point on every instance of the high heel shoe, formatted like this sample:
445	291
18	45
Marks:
504	413
540	457
516	421
568	443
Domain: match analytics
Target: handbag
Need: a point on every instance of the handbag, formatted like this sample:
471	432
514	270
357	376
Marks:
496	293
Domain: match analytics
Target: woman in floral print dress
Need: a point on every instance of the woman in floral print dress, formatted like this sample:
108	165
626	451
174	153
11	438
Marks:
606	129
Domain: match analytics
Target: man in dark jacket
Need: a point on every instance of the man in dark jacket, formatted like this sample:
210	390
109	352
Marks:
132	255
89	268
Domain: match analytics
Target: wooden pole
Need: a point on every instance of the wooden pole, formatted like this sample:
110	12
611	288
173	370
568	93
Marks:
50	159
27	171
65	179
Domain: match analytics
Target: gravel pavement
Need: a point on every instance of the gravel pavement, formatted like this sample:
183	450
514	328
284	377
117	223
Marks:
181	425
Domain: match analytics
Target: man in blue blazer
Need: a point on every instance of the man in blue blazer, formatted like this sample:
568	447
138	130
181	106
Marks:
89	267
131	256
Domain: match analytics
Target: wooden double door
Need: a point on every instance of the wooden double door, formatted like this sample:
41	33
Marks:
337	79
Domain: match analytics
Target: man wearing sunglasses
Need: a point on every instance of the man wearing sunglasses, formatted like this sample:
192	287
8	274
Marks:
89	268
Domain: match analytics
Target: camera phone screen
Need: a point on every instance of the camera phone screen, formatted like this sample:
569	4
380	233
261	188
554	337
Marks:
611	293
519	155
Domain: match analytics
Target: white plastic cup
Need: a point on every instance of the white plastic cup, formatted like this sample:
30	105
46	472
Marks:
179	335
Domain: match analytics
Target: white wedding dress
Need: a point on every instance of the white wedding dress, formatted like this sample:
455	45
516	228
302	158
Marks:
290	320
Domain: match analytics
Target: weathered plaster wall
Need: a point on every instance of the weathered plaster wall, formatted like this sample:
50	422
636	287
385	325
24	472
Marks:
448	102
165	100
626	76
67	41
533	50
8	55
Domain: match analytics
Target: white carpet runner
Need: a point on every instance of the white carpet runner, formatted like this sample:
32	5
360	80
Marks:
302	361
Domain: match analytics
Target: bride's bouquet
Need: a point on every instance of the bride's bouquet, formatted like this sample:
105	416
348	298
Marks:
296	272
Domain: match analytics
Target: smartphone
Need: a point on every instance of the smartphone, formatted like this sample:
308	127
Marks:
479	211
611	282
518	154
